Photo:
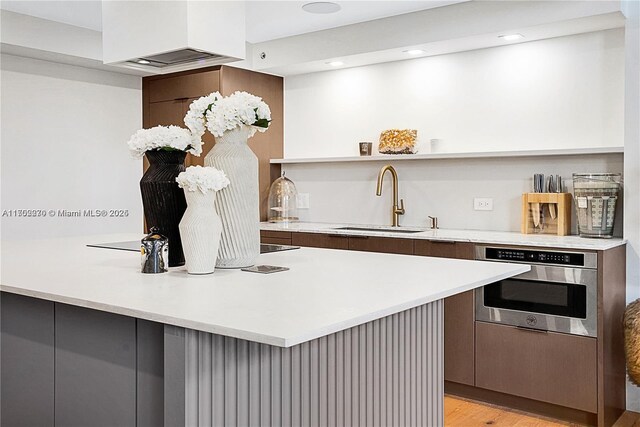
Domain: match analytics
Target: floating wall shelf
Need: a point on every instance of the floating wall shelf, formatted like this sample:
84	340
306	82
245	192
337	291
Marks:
443	156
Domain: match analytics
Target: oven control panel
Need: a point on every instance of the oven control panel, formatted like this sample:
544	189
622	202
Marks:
535	256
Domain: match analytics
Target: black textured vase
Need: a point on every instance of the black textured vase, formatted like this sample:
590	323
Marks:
163	201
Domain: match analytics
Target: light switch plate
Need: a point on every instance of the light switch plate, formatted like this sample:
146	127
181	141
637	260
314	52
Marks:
482	204
303	200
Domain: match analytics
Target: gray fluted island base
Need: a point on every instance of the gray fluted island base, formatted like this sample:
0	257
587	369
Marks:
387	372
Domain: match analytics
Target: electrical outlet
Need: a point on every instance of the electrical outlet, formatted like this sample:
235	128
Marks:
482	204
303	200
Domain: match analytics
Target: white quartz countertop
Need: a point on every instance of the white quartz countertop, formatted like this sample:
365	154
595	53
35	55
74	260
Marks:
473	236
324	291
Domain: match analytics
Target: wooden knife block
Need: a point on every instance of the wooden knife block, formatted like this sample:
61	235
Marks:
560	226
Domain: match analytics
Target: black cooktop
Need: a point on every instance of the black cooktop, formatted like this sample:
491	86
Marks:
134	246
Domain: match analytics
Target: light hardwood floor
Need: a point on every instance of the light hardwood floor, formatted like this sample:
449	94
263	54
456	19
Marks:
466	413
460	412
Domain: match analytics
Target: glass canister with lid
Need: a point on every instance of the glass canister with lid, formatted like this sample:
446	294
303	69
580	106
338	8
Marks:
596	197
283	201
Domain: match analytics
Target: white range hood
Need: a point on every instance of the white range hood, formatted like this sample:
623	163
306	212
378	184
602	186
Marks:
166	36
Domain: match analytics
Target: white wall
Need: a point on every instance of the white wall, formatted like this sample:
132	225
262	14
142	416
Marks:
631	9
64	134
563	92
345	192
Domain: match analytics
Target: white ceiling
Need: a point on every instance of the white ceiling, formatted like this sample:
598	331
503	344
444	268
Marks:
266	19
86	14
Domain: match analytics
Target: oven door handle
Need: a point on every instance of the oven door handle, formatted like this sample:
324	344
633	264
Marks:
537	331
562	275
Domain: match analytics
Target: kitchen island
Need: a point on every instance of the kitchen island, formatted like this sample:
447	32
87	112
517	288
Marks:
342	338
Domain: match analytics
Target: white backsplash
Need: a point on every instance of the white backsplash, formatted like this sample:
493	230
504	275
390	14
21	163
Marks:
345	192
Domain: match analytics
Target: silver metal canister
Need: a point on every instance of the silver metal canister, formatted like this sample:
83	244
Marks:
155	252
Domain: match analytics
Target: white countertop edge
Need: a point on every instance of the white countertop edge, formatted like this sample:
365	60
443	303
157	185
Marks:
289	342
144	315
251	336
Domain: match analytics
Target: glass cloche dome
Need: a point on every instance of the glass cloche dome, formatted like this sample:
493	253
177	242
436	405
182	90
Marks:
283	201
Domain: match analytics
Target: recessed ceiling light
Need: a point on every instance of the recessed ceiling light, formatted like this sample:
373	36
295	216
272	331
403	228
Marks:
511	37
321	7
143	61
335	63
414	51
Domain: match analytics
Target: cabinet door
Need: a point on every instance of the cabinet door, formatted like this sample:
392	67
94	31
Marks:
444	249
182	86
459	339
459	315
381	244
172	112
546	366
167	113
317	240
275	237
27	360
95	365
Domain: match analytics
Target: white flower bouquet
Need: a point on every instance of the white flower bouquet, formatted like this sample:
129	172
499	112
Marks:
203	179
169	138
219	114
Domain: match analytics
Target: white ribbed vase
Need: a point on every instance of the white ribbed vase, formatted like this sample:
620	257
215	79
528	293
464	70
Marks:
238	204
200	231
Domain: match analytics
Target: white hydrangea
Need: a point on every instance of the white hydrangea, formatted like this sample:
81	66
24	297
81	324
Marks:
195	117
203	179
219	114
163	137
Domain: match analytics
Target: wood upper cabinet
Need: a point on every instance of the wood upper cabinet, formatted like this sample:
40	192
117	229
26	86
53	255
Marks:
166	99
459	315
546	366
184	85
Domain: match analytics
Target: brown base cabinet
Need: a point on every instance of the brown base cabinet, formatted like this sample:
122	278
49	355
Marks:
546	366
275	237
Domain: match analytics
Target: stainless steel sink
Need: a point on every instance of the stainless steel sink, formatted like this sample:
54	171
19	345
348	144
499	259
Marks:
383	229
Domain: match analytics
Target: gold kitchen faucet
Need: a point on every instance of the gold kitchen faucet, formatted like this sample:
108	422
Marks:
396	209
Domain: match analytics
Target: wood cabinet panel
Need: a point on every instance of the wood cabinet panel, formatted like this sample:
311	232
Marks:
275	234
546	366
381	244
182	86
459	315
167	113
459	338
611	369
275	237
444	249
317	240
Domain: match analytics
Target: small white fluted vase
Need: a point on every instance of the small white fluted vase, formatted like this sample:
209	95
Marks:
239	203
200	232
